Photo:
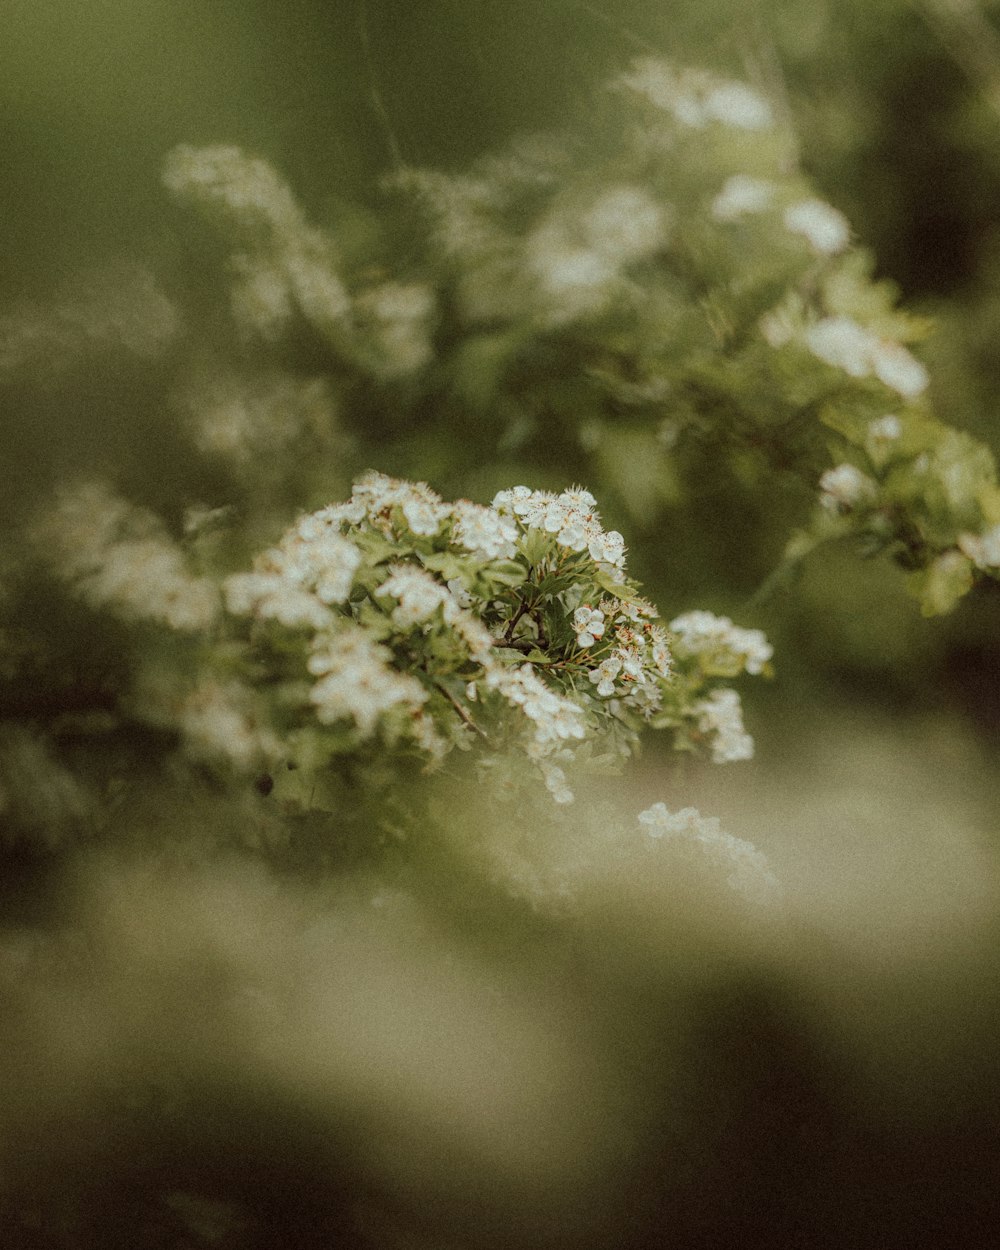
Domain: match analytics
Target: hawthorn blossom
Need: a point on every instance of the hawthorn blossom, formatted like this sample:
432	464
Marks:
846	488
740	195
588	624
825	227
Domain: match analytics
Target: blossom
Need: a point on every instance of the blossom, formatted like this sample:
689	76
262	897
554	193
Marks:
721	717
273	597
418	593
982	549
398	317
357	681
742	194
603	676
845	488
377	495
554	717
625	224
608	548
695	99
843	343
885	429
894	366
555	782
120	557
717	639
220	720
748	870
736	104
825	227
588	624
484	530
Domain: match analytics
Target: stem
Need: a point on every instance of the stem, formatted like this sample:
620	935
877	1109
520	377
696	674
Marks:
463	715
512	623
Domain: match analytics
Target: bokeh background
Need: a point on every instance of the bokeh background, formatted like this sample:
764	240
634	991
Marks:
199	1056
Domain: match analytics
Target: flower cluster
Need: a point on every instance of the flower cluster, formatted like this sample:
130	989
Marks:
746	868
119	557
684	276
434	624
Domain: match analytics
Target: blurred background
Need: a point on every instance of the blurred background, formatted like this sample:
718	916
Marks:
196	1056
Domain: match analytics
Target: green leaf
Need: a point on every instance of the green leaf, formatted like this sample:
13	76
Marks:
942	584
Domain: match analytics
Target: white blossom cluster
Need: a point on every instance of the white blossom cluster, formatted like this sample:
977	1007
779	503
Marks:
824	227
747	869
577	255
845	344
119	557
719	645
845	488
286	265
982	549
697	99
421	621
295	582
742	195
253	420
224	721
571	517
357	680
720	720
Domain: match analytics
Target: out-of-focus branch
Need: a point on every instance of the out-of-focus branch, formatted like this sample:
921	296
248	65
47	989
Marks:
971	41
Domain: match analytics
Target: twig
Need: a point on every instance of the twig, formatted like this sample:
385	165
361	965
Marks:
970	40
464	716
376	95
627	35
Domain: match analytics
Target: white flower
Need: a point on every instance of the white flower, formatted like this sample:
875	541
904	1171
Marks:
588	624
274	597
721	716
220	721
885	429
554	717
458	592
894	366
608	548
485	531
398	316
717	638
419	594
982	549
574	280
604	675
825	227
841	342
422	517
742	194
356	680
661	652
748	870
661	87
513	500
121	558
845	488
736	104
625	225
555	782
378	494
